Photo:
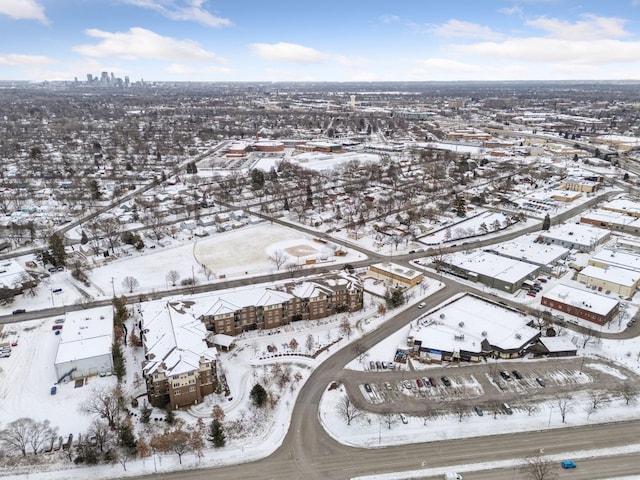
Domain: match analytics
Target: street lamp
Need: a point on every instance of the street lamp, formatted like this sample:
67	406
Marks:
550	411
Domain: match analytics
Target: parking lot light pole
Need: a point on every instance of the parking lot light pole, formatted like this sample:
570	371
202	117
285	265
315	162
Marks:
550	412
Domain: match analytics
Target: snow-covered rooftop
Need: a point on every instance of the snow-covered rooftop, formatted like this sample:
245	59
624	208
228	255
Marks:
577	233
174	337
581	299
539	254
617	258
466	322
86	334
621	276
491	265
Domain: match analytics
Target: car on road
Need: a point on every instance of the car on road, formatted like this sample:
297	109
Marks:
569	464
541	382
516	374
630	323
421	305
445	381
367	387
478	410
505	375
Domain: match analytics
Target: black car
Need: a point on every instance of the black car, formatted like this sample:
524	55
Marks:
540	382
505	375
367	387
445	381
516	375
478	410
19	311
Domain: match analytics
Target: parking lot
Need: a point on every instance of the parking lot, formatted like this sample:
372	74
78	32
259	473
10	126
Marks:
484	385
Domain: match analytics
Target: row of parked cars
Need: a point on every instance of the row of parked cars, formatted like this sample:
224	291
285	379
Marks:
518	376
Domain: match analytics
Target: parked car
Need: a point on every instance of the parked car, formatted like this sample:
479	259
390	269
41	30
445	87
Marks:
432	381
569	464
419	383
478	410
372	365
387	385
407	384
540	382
384	365
367	387
404	418
505	375
507	408
445	381
531	294
18	311
59	320
542	279
516	374
54	390
631	322
56	327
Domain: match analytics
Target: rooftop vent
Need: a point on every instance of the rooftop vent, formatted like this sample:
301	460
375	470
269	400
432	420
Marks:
484	333
461	324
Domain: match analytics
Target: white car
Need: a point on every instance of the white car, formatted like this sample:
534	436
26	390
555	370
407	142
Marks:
421	305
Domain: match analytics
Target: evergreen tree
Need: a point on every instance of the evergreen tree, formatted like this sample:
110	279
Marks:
120	314
216	434
119	368
145	413
258	395
170	417
546	223
460	206
309	196
56	254
286	204
83	238
257	179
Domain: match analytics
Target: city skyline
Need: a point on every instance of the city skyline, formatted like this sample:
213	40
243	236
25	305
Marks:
198	40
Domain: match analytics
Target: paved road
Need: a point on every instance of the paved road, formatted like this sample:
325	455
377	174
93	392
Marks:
308	452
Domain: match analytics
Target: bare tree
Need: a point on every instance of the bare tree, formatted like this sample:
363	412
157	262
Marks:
40	433
461	409
130	283
564	404
15	437
539	468
629	392
345	327
278	258
388	417
347	410
102	433
122	455
530	407
104	403
310	343
597	398
361	351
173	276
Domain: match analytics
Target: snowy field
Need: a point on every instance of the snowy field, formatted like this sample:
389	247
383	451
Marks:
238	253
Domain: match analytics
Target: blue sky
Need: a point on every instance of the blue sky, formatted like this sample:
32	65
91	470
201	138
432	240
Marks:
327	40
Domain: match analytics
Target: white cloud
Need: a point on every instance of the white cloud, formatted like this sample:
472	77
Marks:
23	10
140	43
515	10
16	60
187	10
289	52
591	40
591	27
460	29
557	50
389	18
182	69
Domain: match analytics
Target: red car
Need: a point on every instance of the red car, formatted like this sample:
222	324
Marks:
531	294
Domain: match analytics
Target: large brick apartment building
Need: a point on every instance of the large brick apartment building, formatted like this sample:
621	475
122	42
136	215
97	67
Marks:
263	308
180	364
